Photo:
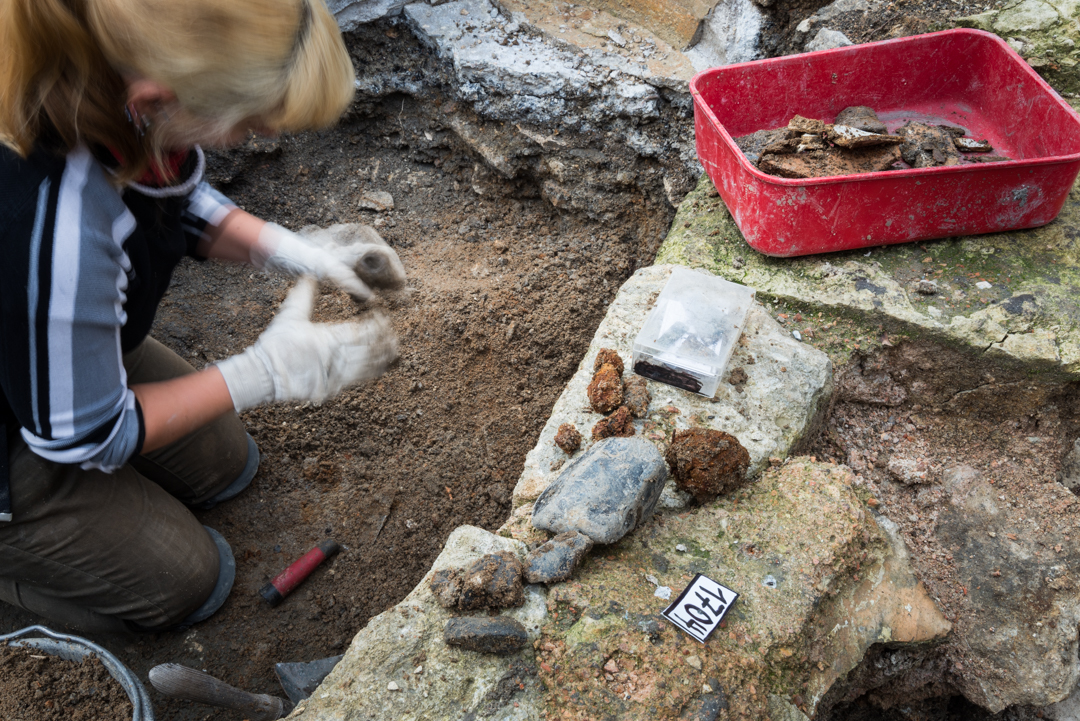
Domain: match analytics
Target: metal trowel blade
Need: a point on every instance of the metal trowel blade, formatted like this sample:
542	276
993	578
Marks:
301	679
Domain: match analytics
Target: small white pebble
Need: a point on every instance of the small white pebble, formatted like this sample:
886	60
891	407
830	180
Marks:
706	688
392	686
982	284
662	592
797	334
418	670
652	579
681	547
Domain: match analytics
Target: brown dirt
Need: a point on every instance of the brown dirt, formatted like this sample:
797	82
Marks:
706	462
503	297
35	686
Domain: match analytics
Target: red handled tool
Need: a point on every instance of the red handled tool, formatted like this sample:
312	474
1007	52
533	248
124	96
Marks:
276	591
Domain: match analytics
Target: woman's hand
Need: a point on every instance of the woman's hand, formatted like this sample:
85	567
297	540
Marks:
362	261
295	359
353	257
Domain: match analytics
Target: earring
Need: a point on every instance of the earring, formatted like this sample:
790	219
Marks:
141	123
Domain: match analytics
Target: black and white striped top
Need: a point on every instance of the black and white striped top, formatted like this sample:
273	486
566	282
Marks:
84	268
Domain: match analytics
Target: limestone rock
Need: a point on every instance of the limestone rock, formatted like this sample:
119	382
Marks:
1046	34
731	33
833	10
707	462
827	39
351	13
605	492
452	681
1026	324
1024	605
556	560
820	582
498	635
787	389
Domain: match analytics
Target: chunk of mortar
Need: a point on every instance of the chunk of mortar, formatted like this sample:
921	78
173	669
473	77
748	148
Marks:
486	635
556	560
604	493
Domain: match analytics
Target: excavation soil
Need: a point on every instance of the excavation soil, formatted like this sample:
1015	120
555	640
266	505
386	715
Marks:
38	687
502	300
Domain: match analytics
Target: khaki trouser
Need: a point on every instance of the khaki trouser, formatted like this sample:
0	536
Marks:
101	552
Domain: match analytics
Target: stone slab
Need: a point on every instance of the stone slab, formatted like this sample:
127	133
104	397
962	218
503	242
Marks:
1028	315
1046	33
446	681
787	388
819	583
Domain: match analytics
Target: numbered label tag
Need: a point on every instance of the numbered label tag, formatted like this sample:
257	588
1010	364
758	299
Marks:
701	607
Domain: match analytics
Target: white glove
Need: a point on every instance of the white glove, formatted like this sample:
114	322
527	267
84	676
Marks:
352	256
295	359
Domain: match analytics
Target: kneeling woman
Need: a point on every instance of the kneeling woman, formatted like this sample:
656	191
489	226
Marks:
109	438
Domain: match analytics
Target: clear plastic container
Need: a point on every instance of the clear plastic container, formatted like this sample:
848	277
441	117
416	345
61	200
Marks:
691	331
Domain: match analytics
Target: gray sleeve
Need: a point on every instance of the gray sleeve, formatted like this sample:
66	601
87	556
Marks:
83	411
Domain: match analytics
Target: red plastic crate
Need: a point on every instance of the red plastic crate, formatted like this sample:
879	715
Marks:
960	77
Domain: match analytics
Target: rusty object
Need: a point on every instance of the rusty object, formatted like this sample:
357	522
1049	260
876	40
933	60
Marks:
568	438
707	462
605	391
618	425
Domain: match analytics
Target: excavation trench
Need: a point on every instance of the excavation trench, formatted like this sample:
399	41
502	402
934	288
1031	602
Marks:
504	295
511	267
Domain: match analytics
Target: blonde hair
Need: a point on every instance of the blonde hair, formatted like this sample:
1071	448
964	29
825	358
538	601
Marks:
63	65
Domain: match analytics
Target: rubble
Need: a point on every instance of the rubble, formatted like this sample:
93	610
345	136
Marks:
848	137
928	146
861	117
499	635
858	142
604	493
822	163
556	560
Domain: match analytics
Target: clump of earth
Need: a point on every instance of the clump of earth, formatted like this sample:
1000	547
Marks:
707	462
